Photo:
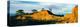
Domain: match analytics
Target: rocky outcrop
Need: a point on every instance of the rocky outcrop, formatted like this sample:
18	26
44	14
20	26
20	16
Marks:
44	15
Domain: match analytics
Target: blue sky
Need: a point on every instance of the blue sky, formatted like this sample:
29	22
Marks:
57	8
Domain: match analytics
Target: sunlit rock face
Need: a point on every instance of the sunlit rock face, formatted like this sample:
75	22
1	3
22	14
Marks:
75	11
46	16
42	15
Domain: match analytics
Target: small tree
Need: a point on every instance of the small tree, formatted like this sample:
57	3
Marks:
34	10
19	12
43	9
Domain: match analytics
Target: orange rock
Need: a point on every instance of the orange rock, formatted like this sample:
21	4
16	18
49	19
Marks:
42	15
